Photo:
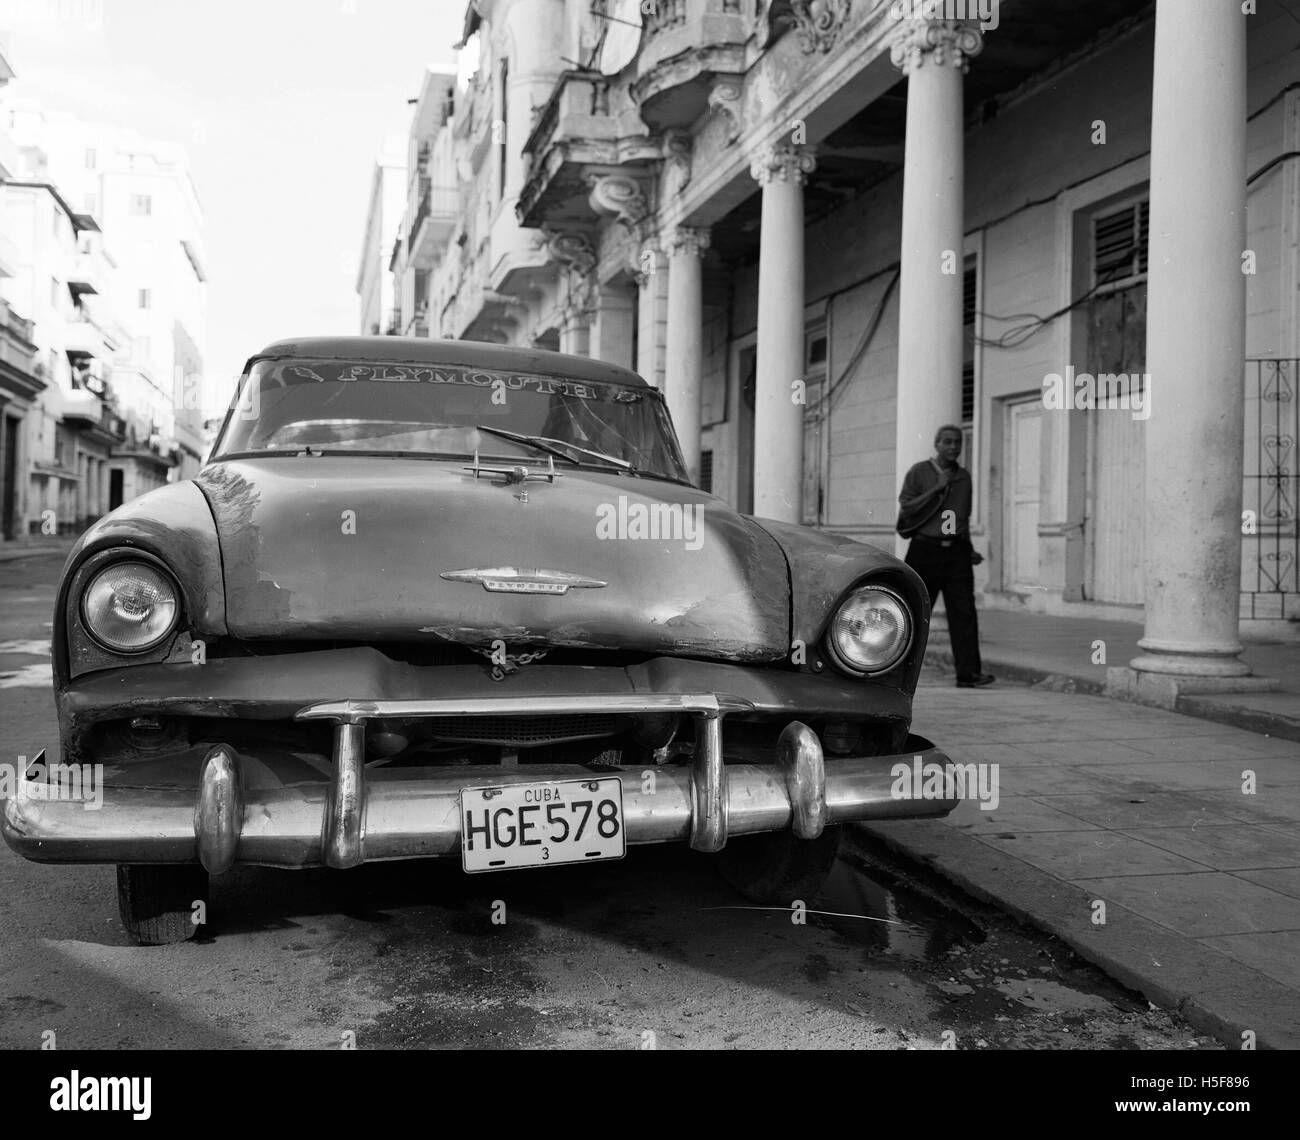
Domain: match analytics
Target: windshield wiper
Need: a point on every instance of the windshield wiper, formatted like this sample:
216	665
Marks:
546	443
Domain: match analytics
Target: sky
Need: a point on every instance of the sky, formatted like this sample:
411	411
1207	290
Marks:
283	106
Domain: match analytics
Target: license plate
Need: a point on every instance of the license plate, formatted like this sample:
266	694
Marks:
540	825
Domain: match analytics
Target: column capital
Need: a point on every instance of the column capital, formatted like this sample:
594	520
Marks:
940	42
784	162
690	240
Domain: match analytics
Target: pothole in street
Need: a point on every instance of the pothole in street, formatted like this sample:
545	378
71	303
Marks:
1002	984
874	908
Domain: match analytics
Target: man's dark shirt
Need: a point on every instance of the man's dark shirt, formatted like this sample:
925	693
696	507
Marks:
925	494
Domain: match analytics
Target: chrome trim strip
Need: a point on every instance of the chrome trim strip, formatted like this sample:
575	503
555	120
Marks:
353	711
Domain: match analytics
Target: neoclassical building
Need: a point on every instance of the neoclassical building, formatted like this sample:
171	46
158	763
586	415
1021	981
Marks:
826	227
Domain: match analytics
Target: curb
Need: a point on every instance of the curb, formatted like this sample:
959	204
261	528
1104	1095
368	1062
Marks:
1216	994
17	552
1276	725
1029	674
1252	720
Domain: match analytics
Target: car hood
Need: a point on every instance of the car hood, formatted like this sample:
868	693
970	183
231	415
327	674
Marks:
354	548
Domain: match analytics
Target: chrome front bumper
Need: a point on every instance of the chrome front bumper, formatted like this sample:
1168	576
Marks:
362	816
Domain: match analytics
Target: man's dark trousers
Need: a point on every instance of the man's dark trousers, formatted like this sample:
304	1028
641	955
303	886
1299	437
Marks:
945	565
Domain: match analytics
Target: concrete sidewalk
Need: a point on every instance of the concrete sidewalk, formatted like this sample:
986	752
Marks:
1148	812
1058	652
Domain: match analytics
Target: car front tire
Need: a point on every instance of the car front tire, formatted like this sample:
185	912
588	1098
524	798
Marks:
157	901
777	867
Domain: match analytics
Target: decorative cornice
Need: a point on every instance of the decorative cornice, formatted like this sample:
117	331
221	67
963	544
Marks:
784	162
689	240
618	196
942	42
818	22
725	99
677	156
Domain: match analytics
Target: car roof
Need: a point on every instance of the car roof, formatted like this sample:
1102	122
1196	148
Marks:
465	353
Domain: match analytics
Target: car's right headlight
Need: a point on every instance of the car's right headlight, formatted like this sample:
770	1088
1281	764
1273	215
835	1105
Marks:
129	606
870	632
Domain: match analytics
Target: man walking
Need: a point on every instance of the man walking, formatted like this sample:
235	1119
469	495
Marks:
934	512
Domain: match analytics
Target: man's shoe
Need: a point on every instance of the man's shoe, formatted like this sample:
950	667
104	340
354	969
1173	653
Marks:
975	681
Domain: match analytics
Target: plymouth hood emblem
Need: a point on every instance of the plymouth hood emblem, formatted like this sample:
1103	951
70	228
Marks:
508	580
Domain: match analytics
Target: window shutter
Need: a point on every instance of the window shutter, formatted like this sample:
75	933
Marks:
1119	244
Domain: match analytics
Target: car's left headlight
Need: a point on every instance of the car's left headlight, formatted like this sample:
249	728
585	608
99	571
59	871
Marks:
129	607
870	632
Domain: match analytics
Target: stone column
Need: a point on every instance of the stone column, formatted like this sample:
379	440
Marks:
932	54
577	258
685	338
778	417
1196	342
652	306
575	336
611	327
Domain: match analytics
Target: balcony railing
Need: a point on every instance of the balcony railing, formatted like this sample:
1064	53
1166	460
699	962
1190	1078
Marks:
437	202
663	16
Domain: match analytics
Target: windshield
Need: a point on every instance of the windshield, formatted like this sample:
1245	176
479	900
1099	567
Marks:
339	408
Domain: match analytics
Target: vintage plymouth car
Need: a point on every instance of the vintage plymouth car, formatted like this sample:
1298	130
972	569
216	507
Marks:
435	598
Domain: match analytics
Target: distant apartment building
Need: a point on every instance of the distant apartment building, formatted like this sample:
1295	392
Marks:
20	384
378	308
435	199
116	296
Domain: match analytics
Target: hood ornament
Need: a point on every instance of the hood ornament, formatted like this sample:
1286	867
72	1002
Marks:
508	580
515	472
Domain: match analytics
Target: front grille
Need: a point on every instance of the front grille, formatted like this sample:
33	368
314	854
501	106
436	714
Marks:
522	731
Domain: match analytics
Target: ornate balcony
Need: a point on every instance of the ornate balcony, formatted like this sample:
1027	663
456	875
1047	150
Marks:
580	127
687	45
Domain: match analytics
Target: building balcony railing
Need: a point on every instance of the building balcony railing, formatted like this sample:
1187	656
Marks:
82	337
663	16
16	328
431	226
81	408
87	274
